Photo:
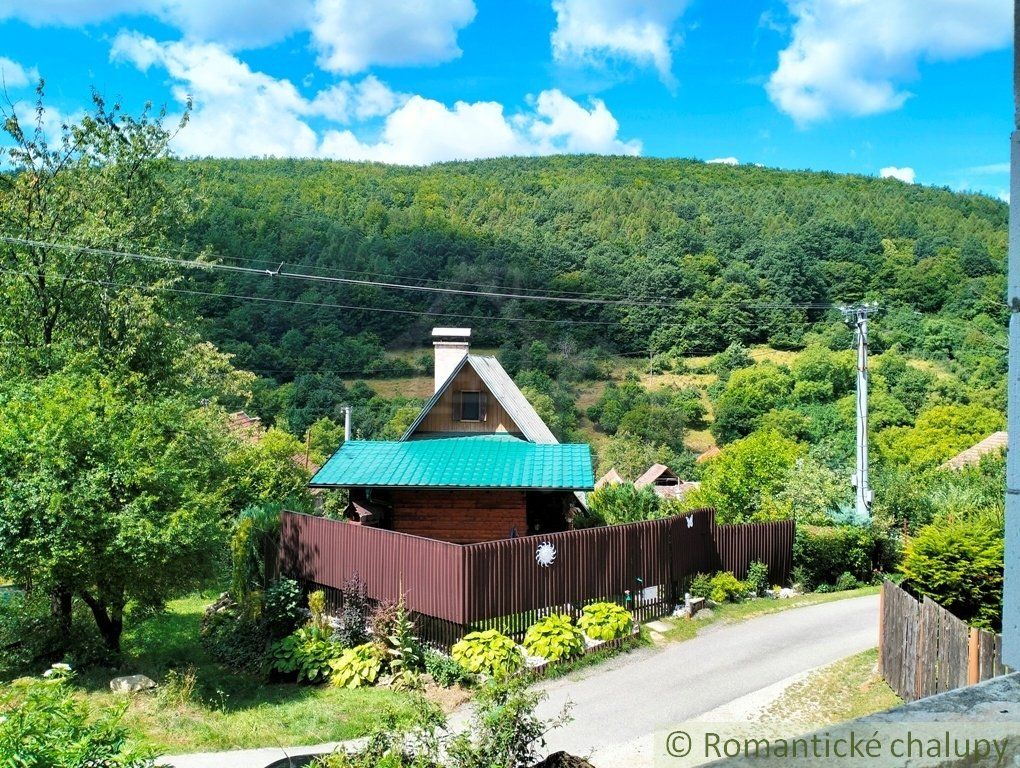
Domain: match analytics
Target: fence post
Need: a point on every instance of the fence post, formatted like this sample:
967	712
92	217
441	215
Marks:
881	627
974	657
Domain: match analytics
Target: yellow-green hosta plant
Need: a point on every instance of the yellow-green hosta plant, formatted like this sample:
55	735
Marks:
357	666
605	621
488	652
553	638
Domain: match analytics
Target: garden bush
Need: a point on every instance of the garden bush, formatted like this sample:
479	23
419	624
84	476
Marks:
402	650
306	653
605	621
283	610
758	577
958	563
821	554
718	587
352	629
235	639
488	652
29	636
846	581
356	667
727	588
554	638
445	671
42	723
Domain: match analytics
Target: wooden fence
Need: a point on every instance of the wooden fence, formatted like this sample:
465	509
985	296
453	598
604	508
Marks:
455	588
924	649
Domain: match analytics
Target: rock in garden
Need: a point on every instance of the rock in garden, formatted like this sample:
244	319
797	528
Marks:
563	760
131	684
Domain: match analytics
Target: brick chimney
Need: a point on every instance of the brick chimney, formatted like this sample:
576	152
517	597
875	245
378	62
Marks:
451	347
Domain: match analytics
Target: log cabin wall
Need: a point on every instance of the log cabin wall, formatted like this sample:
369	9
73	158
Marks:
444	417
460	516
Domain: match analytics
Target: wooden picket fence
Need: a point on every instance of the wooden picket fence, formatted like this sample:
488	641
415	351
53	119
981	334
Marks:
924	649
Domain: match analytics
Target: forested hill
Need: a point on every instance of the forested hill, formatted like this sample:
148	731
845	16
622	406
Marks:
701	255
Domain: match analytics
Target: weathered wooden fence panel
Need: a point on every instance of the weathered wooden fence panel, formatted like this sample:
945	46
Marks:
924	649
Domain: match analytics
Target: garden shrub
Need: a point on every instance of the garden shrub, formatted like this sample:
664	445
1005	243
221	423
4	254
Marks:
727	588
353	613
605	621
29	635
554	638
317	609
701	585
445	671
488	652
823	553
306	653
42	723
283	611
958	563
235	639
758	577
357	666
846	581
403	652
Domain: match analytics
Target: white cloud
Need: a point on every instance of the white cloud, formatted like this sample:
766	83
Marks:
14	75
352	35
239	112
991	168
724	161
594	31
1004	195
234	23
905	174
850	56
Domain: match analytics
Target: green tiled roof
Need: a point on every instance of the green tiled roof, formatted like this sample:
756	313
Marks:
483	461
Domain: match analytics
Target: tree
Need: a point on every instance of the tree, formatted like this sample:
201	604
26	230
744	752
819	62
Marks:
622	503
268	470
108	495
103	185
750	393
631	456
745	480
938	434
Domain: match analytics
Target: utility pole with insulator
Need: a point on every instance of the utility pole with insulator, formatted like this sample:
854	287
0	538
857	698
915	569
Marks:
857	317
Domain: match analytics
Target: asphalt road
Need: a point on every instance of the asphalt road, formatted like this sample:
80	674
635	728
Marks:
623	702
617	706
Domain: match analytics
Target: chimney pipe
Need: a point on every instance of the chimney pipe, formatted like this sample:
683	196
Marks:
347	422
451	345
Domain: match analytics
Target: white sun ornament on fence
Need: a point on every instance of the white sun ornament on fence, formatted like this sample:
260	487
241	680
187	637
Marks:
690	521
545	554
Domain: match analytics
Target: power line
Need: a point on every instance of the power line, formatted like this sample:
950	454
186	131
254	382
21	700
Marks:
499	295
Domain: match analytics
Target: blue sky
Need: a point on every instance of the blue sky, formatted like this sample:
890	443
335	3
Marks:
919	89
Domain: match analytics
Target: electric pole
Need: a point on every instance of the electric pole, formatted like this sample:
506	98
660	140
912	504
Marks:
858	318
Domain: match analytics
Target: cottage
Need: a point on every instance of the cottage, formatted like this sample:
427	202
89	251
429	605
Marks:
477	464
665	482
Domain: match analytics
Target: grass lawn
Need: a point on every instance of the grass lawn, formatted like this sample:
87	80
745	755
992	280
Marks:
848	689
228	711
684	629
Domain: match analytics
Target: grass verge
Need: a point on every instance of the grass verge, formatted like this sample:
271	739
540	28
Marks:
226	710
848	689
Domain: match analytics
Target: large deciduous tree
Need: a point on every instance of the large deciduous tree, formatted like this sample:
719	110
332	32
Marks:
107	494
73	197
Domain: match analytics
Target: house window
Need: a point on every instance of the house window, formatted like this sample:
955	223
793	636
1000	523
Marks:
472	406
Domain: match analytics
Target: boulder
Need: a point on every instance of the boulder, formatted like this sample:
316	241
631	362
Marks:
131	684
563	760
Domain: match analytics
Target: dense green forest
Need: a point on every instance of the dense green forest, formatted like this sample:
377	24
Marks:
689	258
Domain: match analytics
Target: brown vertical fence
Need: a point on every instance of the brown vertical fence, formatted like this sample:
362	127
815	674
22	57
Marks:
456	588
924	649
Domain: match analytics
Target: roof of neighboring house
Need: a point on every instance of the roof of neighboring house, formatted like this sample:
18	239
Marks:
250	428
656	472
991	444
677	491
612	477
502	387
480	461
711	453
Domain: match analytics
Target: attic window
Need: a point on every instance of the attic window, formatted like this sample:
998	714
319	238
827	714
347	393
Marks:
472	406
